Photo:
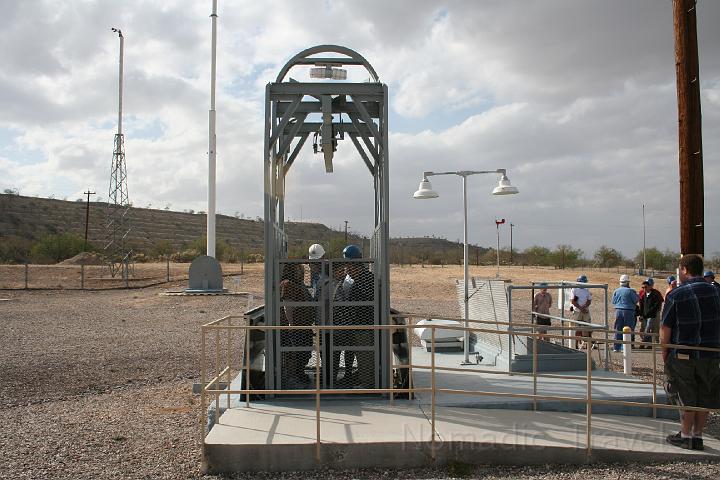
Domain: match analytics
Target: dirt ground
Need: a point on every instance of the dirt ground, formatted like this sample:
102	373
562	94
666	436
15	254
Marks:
97	384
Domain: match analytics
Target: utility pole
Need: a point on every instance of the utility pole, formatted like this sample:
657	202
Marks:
87	216
497	227
644	263
346	222
689	128
511	245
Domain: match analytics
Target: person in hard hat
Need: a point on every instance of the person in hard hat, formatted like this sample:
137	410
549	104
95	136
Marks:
649	308
691	317
315	252
624	300
672	283
359	286
709	277
580	300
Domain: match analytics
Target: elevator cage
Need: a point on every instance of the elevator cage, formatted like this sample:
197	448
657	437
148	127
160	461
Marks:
327	291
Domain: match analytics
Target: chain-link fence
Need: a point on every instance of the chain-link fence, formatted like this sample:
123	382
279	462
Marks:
96	277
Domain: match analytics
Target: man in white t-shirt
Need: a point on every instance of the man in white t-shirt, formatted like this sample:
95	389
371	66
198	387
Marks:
580	299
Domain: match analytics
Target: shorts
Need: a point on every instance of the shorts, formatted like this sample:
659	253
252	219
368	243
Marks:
695	381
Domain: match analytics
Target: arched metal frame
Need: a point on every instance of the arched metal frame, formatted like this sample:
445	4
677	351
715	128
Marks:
287	107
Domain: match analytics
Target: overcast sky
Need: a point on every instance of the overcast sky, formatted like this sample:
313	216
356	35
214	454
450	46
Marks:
576	99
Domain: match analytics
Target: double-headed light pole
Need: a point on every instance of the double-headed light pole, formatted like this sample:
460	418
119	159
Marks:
425	191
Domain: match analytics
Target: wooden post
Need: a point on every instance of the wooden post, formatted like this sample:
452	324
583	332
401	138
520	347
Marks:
689	128
27	268
82	277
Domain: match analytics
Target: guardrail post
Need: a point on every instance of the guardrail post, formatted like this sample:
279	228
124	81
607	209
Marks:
627	351
317	394
432	384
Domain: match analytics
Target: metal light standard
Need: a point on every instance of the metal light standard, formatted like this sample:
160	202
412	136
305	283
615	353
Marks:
425	191
497	251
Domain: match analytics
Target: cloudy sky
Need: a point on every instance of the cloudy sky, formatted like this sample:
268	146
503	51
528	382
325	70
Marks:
576	99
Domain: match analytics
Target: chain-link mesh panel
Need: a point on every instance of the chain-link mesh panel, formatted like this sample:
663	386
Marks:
354	302
296	308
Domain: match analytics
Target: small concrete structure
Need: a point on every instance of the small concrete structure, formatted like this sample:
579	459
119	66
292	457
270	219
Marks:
205	276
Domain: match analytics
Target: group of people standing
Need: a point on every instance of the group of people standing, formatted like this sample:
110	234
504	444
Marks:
333	289
688	315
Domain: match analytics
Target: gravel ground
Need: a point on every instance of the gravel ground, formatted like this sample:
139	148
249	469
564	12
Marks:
97	385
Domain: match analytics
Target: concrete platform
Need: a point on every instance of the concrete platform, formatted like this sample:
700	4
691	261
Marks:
280	436
506	383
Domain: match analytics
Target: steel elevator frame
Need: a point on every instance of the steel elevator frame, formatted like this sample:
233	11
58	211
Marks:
289	107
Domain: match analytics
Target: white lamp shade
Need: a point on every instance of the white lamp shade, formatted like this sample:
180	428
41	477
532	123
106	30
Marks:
425	190
504	187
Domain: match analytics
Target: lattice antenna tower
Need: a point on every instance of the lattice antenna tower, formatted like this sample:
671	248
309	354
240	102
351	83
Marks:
118	208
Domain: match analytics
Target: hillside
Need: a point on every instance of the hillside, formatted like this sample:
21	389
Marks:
31	218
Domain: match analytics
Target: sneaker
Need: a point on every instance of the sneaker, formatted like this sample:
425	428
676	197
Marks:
678	441
697	443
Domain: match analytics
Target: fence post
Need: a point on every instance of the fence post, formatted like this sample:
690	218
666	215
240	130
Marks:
167	269
82	276
27	268
627	351
127	272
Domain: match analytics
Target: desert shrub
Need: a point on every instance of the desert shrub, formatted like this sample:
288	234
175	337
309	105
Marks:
185	256
14	249
140	258
161	249
255	258
55	248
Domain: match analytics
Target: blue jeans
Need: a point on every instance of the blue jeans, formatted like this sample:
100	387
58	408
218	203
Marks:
651	326
624	318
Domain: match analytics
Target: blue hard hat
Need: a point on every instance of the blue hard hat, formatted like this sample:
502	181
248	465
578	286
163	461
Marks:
649	281
582	279
671	279
709	273
352	251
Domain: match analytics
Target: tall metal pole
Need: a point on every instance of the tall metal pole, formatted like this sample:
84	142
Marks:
466	294
689	128
87	216
120	82
497	227
644	263
212	153
511	245
346	222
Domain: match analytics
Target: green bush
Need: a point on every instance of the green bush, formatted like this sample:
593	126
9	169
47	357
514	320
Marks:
55	248
14	249
161	249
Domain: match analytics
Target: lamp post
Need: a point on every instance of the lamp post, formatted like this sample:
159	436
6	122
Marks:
425	191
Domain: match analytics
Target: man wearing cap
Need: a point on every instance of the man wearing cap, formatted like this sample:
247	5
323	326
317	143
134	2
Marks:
709	277
650	304
672	283
691	317
541	305
624	300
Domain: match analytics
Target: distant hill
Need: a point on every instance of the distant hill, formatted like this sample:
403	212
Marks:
31	218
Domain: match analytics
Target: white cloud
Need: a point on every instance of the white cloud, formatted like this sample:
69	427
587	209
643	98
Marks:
575	98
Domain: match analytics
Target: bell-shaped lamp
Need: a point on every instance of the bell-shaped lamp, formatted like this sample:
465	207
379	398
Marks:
504	187
425	190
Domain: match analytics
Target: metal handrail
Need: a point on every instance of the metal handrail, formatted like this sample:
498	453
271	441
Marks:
433	389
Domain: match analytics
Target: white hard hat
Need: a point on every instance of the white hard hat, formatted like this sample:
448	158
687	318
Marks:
316	251
624	279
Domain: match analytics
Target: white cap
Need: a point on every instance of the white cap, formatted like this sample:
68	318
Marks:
316	251
624	278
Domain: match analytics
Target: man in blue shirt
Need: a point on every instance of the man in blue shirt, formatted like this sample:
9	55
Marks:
624	300
691	317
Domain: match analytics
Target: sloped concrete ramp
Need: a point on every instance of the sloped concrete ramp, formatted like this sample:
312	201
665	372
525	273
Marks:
280	436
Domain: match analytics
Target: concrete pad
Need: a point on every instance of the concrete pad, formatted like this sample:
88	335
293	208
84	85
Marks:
280	436
506	383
